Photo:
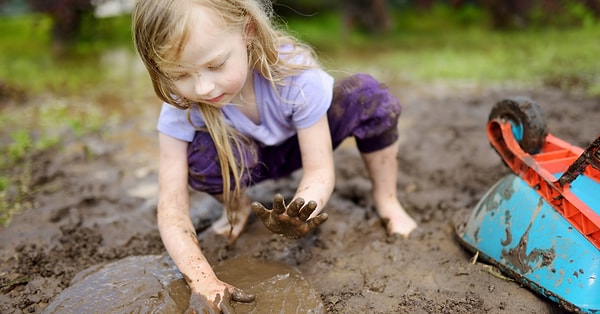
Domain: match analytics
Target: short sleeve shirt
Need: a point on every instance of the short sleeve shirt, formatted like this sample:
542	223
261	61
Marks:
299	103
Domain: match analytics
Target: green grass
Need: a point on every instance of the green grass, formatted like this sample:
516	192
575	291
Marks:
485	57
428	47
31	130
32	61
437	45
62	85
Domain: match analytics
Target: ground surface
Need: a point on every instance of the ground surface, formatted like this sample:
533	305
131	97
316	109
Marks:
100	207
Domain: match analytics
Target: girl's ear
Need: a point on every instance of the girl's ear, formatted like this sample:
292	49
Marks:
250	30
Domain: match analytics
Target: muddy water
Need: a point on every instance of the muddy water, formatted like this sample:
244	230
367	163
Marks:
152	284
278	287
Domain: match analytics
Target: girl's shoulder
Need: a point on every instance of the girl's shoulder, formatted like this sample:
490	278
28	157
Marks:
174	122
305	81
297	57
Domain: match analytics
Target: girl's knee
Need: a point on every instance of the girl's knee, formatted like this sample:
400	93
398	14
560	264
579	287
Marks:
365	93
351	85
364	108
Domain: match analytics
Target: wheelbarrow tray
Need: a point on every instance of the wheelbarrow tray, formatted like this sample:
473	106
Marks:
541	224
515	229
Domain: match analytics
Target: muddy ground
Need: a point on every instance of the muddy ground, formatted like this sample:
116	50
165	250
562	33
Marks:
96	200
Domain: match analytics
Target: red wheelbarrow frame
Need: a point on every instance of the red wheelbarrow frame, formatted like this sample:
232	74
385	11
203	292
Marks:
556	156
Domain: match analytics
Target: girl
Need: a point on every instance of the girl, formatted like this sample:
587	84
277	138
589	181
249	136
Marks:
245	102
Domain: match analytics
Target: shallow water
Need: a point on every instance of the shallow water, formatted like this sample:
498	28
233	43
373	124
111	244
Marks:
278	287
152	284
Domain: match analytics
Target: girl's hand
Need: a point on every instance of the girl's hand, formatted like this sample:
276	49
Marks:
221	304
292	221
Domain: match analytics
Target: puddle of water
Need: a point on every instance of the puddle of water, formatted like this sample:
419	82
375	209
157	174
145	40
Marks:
278	287
152	284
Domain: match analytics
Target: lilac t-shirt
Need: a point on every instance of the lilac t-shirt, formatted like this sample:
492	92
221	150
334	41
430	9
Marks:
303	100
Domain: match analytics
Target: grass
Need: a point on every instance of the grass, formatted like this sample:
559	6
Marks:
480	56
436	45
62	87
31	61
432	47
32	130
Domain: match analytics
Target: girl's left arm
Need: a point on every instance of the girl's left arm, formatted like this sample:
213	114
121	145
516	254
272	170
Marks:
318	176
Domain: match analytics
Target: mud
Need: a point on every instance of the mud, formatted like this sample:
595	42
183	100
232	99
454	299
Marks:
95	203
152	284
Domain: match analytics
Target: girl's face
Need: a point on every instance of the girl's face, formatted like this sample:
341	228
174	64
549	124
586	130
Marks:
213	67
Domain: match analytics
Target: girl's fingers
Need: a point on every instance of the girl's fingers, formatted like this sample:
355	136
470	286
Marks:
278	204
295	207
319	219
240	296
259	210
307	210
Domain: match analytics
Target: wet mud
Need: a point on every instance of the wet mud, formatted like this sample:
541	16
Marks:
152	284
91	210
136	284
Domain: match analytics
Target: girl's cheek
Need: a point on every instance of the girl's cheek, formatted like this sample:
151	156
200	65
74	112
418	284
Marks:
184	87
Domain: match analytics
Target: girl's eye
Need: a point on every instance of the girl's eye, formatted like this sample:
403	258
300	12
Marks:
216	67
178	76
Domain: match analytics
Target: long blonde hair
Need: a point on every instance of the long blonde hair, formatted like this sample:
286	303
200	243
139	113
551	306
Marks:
160	31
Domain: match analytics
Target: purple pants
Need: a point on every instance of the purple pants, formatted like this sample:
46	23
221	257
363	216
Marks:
361	107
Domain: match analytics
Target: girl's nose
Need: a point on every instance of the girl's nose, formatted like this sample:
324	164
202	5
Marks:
203	85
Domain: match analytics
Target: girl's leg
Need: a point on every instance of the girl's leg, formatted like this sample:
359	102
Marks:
205	176
363	108
233	222
382	167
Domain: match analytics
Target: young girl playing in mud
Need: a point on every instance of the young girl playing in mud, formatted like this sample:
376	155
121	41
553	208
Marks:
245	102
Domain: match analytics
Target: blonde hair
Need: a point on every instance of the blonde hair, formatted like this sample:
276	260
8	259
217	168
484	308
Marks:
160	31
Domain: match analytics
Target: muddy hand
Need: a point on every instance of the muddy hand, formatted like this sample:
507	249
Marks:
292	221
200	305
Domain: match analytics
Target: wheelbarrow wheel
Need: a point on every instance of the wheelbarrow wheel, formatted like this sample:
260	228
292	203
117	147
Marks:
527	117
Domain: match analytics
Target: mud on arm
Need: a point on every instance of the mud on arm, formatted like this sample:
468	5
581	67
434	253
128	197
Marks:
176	228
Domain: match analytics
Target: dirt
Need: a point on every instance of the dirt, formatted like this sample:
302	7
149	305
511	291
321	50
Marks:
95	202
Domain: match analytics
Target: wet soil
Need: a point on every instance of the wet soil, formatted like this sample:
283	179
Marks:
96	203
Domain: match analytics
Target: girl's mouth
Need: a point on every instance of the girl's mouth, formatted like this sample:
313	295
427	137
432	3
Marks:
216	99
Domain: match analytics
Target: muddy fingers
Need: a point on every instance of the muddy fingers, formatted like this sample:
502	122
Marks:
291	221
307	210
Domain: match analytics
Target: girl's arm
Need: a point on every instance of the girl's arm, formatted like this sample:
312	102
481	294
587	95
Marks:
318	176
318	179
175	225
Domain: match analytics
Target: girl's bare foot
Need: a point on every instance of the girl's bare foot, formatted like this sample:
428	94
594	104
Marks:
382	167
396	219
240	217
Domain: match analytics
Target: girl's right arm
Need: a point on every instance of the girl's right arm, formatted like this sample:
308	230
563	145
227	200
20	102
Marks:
175	225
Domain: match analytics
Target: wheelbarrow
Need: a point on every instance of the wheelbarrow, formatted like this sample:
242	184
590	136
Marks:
540	225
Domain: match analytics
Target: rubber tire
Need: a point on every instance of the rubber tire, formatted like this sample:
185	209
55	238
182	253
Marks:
528	114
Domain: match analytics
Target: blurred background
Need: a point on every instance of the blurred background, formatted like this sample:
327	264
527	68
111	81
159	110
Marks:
68	68
62	45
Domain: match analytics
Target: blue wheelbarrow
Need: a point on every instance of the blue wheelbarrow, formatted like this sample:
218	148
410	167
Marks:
540	225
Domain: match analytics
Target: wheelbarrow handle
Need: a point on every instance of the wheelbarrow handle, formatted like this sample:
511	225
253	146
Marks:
590	156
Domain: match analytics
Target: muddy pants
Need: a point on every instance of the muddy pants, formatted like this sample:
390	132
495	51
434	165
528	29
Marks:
361	107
